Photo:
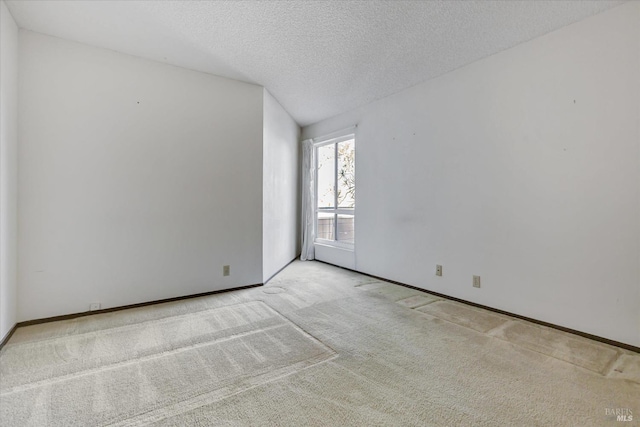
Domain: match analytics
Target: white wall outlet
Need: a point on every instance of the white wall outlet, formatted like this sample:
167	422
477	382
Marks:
438	270
226	270
94	306
476	281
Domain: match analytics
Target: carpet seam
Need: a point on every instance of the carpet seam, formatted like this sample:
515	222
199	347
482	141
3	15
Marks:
600	372
548	355
422	305
164	319
131	422
92	371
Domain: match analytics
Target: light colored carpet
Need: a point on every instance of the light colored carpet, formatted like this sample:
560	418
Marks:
318	346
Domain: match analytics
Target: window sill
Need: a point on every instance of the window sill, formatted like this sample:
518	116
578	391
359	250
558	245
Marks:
335	245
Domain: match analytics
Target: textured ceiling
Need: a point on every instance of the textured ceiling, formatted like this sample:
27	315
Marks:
318	58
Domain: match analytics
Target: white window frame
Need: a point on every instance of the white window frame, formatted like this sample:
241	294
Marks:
336	211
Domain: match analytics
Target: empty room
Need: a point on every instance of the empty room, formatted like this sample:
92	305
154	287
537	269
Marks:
319	213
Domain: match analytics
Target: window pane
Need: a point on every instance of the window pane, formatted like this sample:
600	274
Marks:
346	174
345	228
326	176
326	226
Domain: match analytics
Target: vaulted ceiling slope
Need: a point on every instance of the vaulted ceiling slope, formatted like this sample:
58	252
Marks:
318	58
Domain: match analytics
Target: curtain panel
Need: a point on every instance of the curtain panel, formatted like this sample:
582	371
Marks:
308	200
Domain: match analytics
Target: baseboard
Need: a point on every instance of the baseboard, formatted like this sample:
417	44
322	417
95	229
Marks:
126	307
278	272
495	310
6	337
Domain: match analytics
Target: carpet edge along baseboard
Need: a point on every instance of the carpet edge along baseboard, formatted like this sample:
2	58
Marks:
119	308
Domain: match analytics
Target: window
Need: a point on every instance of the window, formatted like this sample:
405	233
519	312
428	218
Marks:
336	191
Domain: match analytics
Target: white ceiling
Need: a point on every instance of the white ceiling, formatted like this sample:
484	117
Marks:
318	58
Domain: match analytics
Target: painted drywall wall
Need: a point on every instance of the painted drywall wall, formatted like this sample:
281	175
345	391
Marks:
334	255
523	168
138	180
281	188
8	170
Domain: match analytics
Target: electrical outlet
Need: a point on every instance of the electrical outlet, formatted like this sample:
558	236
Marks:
226	270
438	270
94	306
476	281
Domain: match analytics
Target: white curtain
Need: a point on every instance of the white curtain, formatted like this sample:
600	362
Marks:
308	200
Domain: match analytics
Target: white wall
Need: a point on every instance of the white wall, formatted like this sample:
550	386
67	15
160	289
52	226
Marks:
523	168
138	180
281	189
8	169
341	257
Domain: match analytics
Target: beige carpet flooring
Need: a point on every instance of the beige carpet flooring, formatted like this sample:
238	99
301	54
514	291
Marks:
316	346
